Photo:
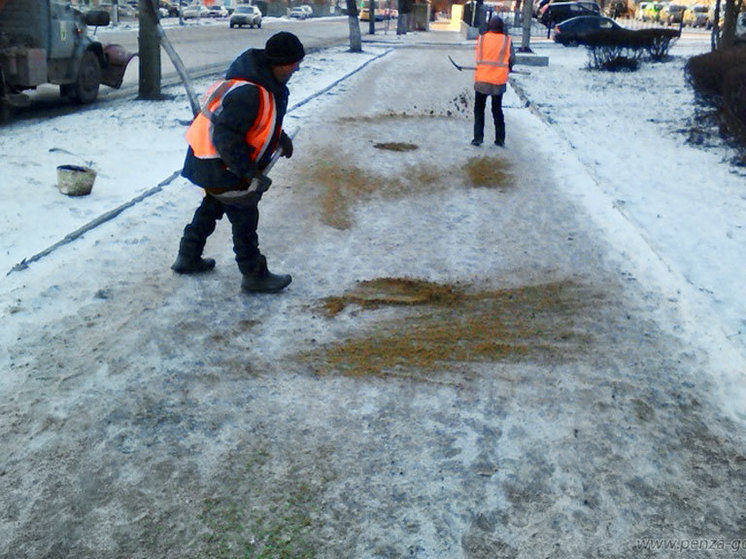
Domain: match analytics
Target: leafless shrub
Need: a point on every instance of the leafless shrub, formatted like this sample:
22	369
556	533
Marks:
719	78
706	72
734	101
657	42
622	49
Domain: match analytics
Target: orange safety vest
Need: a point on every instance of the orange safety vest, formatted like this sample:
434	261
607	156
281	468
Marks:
493	58
259	136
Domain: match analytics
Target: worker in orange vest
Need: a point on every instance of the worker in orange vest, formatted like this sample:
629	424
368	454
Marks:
495	57
230	142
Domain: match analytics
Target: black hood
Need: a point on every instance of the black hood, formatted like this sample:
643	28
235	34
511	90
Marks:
252	65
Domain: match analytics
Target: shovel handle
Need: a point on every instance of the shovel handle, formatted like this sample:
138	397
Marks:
277	154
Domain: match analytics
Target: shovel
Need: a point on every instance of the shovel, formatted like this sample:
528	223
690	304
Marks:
460	68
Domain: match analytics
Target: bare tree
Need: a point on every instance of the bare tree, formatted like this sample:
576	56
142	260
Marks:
725	36
149	52
356	41
152	37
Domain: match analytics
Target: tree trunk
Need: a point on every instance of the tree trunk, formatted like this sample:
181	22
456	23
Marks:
715	33
402	23
732	9
526	36
149	53
356	41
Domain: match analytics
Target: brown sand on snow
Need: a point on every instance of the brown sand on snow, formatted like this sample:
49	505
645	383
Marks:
344	185
451	324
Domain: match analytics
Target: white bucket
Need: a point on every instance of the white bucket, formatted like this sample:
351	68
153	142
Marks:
74	180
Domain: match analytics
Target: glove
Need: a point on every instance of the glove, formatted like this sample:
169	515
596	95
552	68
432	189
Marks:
286	144
260	184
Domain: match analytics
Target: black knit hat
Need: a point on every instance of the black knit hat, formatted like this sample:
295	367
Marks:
496	24
284	48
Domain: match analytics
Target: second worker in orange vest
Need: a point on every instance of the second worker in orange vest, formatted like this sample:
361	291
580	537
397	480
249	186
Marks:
230	142
495	57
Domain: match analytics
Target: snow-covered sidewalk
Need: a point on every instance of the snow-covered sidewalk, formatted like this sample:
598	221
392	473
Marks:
553	385
631	132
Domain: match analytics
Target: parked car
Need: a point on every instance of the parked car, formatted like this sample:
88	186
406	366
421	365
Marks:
671	14
741	24
246	15
365	13
573	31
557	12
617	8
194	11
301	12
540	6
170	7
651	11
217	11
697	16
124	11
640	10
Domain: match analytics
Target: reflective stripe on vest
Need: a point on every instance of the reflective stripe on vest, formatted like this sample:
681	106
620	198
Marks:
493	58
259	136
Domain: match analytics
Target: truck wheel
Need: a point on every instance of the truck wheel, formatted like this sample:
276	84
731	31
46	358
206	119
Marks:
4	111
4	105
85	89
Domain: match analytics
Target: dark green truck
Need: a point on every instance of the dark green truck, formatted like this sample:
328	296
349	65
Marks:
47	41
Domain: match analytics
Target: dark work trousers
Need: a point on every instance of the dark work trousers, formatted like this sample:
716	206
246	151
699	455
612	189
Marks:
480	100
244	217
244	221
202	226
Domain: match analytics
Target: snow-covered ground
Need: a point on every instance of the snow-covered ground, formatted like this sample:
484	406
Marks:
147	414
631	131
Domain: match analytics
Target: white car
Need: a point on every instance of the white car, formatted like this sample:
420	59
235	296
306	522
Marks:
301	12
246	15
217	11
194	11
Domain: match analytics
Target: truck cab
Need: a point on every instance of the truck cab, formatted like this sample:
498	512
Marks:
47	41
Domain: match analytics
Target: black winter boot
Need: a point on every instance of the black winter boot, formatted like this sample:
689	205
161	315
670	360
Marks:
189	259
265	283
189	265
261	280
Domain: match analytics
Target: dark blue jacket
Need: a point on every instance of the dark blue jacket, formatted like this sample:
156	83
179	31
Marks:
240	110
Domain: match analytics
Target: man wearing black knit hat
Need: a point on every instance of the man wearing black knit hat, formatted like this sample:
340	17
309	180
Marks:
231	141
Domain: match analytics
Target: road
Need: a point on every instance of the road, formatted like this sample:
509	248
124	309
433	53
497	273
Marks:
205	48
210	46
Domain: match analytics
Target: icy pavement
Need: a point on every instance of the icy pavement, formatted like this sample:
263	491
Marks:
578	412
